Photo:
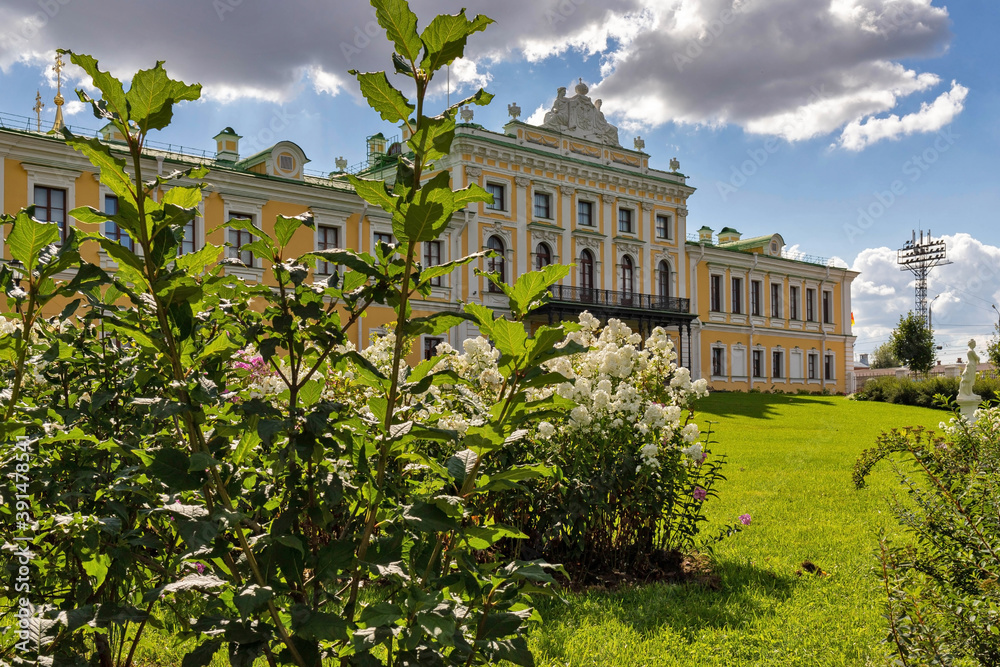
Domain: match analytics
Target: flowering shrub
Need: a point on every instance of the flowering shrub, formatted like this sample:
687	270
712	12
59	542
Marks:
943	596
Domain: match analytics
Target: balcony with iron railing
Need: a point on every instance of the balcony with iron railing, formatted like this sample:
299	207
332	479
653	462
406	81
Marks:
583	297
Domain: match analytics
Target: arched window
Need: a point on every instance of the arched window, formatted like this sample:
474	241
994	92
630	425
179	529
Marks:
627	274
496	264
543	256
586	272
663	279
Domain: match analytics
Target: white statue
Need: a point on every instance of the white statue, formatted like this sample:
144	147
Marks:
969	375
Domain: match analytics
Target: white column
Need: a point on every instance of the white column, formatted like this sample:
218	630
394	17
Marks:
472	175
522	253
646	283
567	223
682	257
608	275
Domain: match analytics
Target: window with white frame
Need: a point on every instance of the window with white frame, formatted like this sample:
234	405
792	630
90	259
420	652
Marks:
810	305
663	227
384	237
737	297
756	297
775	299
758	363
430	346
239	238
543	256
111	229
718	362
625	219
327	238
189	241
432	257
50	206
813	366
498	263
793	302
778	364
585	213
543	205
499	192
827	307
829	367
715	293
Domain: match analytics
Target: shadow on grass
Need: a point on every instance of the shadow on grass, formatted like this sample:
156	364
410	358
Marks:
754	406
748	593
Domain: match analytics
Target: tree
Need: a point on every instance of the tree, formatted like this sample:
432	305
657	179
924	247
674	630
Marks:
993	348
884	356
913	343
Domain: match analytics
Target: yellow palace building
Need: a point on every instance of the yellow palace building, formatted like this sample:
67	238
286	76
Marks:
742	312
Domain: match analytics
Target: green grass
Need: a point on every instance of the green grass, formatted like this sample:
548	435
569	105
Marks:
790	462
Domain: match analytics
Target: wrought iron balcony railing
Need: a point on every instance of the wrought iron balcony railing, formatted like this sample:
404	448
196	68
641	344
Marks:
611	299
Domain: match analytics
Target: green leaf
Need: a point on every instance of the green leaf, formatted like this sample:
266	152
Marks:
435	324
261	248
400	25
111	88
194	263
428	518
172	467
219	344
382	613
445	37
462	464
374	192
285	227
509	337
391	104
470	195
433	138
152	96
28	237
531	289
310	392
334	558
429	272
248	441
428	215
183	197
252	598
112	168
484	537
203	654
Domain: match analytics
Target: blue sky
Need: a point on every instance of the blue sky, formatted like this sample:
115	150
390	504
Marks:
841	124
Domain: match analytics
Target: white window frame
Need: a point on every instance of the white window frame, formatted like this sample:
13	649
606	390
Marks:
763	363
545	192
717	347
505	204
247	206
832	356
828	293
814	356
784	364
633	218
782	309
670	227
723	302
338	222
53	177
593	213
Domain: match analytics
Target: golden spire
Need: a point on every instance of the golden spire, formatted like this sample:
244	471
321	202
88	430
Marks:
58	124
38	108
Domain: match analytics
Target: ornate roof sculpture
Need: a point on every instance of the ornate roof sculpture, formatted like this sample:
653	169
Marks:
580	117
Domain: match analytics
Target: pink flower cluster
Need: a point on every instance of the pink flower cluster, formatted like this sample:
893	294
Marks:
699	493
745	519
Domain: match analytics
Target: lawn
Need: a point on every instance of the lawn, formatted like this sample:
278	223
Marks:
790	461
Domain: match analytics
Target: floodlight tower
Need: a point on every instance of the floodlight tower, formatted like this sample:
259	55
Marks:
919	256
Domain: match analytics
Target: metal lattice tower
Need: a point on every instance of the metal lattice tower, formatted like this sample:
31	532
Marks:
919	256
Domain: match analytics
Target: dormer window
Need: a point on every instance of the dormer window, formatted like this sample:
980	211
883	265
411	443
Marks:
286	162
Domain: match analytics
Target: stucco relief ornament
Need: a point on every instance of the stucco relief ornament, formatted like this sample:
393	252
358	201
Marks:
514	111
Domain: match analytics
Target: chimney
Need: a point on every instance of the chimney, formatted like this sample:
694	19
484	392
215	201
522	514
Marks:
729	235
227	146
705	234
864	359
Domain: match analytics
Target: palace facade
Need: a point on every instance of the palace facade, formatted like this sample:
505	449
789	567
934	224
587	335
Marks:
743	312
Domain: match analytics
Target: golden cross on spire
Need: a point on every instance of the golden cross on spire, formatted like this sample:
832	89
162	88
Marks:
38	108
58	124
57	68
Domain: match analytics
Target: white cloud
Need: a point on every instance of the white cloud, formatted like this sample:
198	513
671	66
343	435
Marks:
931	118
796	69
967	288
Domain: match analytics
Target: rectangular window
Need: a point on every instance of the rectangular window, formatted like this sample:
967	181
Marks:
813	367
756	289
715	294
828	368
430	346
777	365
432	257
737	301
625	220
775	300
811	305
793	303
543	205
286	162
663	226
238	238
718	361
758	363
111	229
383	238
188	242
497	191
327	238
827	307
50	206
585	213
